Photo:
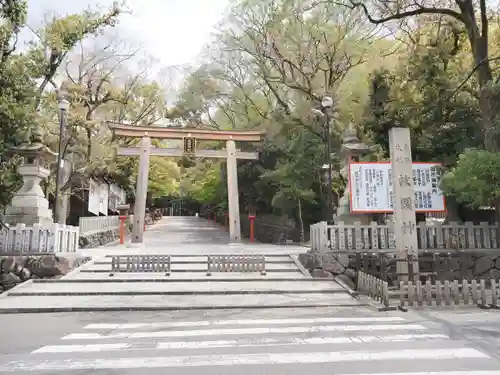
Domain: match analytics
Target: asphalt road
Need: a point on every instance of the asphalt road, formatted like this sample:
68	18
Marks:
318	341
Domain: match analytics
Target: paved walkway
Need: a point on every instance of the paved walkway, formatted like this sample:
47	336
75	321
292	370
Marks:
188	241
191	235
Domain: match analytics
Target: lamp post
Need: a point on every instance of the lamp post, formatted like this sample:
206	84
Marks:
326	113
63	108
326	108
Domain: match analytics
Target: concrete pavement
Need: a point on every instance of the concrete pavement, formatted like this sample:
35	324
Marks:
319	341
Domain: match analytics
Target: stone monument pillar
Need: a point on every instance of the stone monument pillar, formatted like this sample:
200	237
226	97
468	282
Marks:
405	226
351	151
30	206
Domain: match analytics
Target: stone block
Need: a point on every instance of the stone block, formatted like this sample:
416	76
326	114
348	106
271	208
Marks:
331	264
483	265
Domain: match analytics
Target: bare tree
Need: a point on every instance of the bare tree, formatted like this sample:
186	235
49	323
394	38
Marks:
296	54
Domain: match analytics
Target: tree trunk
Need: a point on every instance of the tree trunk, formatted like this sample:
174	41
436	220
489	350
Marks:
301	221
452	211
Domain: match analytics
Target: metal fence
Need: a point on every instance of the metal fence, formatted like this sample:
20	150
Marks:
236	263
140	263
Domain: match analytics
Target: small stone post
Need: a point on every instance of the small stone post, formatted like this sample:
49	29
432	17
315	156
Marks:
405	228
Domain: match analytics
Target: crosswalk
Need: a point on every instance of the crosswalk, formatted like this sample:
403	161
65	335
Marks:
351	345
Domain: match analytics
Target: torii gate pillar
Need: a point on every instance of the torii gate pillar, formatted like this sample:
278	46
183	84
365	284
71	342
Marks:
232	193
141	191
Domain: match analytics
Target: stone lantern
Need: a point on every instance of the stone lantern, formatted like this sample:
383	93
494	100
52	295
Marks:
30	206
351	151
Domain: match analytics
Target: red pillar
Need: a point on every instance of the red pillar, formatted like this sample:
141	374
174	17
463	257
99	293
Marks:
122	229
252	221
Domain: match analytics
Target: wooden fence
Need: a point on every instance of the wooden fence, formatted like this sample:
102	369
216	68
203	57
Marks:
51	238
374	287
377	237
236	263
449	293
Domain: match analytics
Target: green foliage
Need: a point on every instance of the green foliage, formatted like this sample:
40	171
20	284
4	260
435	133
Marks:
291	176
475	180
204	183
424	94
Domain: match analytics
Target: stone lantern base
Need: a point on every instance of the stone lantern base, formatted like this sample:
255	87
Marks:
29	206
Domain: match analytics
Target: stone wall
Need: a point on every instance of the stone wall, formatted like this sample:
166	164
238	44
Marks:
14	269
101	238
340	267
467	264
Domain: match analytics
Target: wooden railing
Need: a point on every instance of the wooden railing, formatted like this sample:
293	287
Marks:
95	224
374	287
374	237
51	238
449	293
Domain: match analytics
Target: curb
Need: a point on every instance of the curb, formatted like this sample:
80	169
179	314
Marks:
174	280
348	290
32	310
173	293
305	272
77	269
18	286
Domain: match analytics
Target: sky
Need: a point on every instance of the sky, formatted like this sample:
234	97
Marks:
173	31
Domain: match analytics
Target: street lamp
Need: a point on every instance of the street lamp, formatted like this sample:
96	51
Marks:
327	104
63	108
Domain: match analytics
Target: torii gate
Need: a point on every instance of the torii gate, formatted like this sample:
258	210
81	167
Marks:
145	151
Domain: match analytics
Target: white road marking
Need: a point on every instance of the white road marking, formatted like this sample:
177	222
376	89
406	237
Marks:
104	326
239	343
295	341
244	331
243	359
80	348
